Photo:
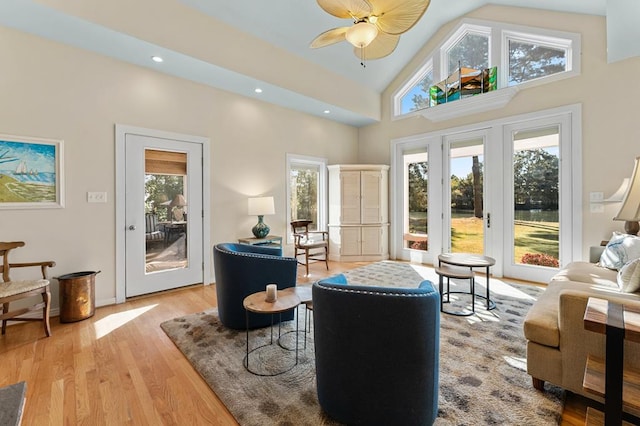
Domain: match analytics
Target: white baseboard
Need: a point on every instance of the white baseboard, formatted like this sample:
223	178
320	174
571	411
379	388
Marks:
105	302
55	312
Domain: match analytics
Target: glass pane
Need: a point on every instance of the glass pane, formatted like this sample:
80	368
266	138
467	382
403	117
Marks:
536	226
416	201
466	165
304	194
165	210
528	61
418	97
472	51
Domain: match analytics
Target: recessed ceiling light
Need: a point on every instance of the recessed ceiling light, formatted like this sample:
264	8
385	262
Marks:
326	111
157	59
258	90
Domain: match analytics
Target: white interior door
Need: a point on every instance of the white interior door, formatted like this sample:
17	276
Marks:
163	214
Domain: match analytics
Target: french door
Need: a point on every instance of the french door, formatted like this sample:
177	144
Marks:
509	190
541	222
466	221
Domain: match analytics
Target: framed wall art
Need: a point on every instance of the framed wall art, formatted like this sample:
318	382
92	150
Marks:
31	173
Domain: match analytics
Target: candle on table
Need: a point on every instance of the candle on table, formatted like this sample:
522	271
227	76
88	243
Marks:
272	293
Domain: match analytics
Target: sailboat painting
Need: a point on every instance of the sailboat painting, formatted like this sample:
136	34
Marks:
30	173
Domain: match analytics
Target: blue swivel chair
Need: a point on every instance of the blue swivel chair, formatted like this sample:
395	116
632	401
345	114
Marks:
377	352
241	270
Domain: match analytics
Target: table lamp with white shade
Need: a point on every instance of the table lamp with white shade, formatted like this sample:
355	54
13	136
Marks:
260	206
618	196
630	209
177	208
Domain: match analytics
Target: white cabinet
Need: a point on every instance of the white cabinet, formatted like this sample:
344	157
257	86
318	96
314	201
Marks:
358	212
365	242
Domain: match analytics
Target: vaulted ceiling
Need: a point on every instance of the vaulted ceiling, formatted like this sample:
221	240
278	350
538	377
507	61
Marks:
241	45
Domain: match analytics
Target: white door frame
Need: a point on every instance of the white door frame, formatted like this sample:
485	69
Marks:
120	132
567	178
432	145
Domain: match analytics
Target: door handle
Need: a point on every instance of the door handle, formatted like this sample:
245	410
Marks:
488	220
132	227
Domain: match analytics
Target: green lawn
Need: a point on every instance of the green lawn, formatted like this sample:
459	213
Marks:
530	237
467	235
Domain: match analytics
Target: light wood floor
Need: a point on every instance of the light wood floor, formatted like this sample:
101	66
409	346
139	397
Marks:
119	367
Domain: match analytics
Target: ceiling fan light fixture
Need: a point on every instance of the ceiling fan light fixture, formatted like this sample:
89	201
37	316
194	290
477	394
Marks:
361	34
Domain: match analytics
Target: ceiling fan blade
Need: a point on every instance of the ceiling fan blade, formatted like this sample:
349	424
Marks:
327	38
381	46
347	8
398	16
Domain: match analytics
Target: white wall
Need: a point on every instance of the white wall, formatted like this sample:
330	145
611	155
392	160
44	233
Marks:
610	103
50	90
181	28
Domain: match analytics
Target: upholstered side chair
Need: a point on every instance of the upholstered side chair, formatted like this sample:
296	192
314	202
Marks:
11	291
314	245
243	269
377	352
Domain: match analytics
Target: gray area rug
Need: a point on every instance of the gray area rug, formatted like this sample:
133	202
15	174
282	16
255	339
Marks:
483	377
12	400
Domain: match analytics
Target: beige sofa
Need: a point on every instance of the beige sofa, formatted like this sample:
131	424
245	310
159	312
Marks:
557	343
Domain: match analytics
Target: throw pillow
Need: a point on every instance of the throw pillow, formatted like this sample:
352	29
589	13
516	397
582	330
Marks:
629	277
621	249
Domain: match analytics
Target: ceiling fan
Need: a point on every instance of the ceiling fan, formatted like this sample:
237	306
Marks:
377	24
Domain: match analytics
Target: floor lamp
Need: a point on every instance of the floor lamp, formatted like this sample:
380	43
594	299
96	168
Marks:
630	209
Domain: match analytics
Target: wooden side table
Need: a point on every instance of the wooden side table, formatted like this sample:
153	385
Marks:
256	302
269	240
608	378
470	260
172	230
305	295
445	271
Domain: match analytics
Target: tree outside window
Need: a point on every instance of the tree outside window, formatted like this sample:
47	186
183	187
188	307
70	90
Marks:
418	192
528	61
159	190
418	97
472	51
303	183
532	55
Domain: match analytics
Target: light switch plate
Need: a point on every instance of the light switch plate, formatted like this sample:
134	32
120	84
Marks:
595	197
96	197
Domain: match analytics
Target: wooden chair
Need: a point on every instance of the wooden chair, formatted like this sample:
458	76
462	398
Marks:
313	244
11	291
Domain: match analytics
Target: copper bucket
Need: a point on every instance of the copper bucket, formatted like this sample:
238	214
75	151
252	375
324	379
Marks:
77	296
